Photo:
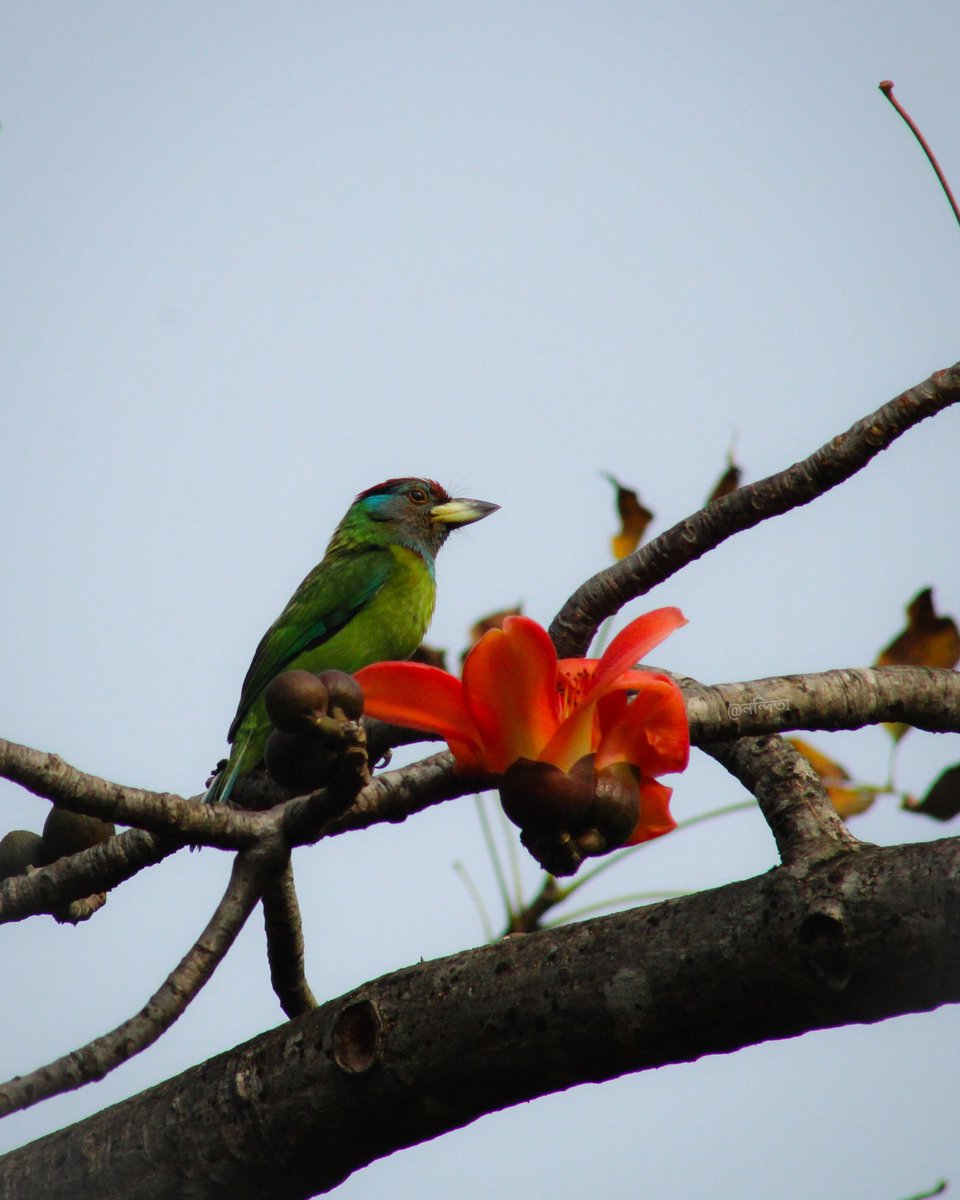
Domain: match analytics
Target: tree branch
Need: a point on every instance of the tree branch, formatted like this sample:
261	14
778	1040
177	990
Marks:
605	593
428	1049
925	697
790	795
78	875
47	775
281	920
103	1054
849	698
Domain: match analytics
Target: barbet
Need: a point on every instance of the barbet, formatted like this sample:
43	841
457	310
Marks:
369	600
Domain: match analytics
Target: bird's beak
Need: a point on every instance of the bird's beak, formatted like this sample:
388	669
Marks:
461	511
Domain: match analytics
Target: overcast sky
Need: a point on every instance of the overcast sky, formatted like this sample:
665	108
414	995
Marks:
257	257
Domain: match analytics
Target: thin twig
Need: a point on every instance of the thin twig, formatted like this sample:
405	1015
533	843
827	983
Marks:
49	776
98	869
937	1190
100	1056
887	88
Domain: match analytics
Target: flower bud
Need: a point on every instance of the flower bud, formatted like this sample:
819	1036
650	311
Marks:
20	849
345	695
66	832
294	700
297	761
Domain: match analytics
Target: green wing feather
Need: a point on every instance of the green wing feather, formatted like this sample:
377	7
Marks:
361	605
328	599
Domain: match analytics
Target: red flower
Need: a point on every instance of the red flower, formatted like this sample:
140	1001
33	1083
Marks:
517	701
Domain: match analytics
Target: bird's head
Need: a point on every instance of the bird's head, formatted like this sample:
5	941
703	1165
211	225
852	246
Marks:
413	512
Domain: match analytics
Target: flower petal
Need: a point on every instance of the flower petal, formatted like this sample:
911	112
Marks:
653	732
510	691
423	697
634	643
575	737
655	816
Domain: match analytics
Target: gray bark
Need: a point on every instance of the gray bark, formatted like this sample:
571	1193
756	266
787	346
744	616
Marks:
868	934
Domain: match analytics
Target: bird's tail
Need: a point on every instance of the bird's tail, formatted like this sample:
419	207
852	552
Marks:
223	782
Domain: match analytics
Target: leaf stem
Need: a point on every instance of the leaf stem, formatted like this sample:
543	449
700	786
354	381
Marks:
611	902
618	856
475	895
494	856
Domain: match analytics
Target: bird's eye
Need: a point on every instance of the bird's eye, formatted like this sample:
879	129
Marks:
418	495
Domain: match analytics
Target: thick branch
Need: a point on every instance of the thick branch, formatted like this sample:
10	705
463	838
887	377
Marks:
791	796
426	1050
605	593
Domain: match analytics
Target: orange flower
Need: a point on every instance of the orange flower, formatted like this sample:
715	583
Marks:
517	701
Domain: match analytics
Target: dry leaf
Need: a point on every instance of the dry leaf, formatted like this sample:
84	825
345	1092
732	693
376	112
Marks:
847	801
927	641
492	620
728	482
433	656
634	519
942	801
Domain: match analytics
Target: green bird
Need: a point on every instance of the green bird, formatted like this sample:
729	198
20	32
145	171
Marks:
369	600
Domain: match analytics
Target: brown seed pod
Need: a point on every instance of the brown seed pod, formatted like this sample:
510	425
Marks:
295	699
66	832
614	813
540	797
20	849
345	695
298	761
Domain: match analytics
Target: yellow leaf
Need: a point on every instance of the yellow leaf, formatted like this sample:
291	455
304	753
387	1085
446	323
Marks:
825	767
847	801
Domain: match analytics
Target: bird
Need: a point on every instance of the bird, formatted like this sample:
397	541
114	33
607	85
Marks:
370	599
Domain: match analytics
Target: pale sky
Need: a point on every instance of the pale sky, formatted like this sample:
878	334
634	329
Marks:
258	257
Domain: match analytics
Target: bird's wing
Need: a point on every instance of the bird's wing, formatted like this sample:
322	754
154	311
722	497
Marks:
327	600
